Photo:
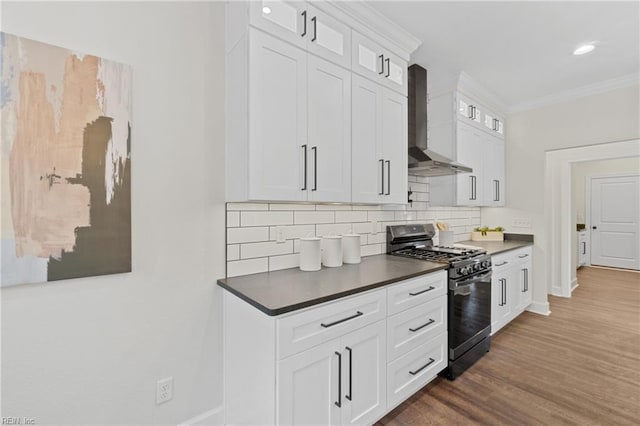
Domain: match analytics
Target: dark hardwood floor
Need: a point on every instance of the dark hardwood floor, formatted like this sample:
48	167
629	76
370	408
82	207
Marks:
581	365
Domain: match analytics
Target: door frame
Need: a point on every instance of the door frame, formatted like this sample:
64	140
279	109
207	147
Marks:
587	200
558	203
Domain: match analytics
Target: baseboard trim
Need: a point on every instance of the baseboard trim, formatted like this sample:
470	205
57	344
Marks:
539	308
557	291
214	416
574	284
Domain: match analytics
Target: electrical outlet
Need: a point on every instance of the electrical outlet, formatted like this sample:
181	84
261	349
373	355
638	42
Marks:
279	234
164	390
522	222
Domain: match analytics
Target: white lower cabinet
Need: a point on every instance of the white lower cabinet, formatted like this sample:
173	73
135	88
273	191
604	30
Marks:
511	291
342	381
343	362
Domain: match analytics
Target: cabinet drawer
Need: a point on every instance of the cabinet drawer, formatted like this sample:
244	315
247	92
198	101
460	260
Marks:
317	325
410	372
523	255
415	291
413	327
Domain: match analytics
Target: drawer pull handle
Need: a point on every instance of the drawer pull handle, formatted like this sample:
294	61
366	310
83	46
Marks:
339	401
503	263
523	256
331	324
431	321
431	361
423	291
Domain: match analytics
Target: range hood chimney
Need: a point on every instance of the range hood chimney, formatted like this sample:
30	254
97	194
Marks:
423	161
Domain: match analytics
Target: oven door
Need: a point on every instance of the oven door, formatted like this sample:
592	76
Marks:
469	312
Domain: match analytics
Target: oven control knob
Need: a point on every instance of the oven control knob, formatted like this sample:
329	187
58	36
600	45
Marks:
486	264
476	267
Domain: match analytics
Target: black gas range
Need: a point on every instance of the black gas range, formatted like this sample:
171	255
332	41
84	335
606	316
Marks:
469	296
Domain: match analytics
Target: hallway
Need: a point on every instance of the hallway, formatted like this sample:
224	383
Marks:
581	365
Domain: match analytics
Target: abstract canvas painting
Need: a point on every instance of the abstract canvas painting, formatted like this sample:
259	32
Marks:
65	170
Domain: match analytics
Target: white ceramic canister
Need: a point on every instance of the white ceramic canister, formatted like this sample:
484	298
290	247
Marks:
445	238
351	248
332	251
310	254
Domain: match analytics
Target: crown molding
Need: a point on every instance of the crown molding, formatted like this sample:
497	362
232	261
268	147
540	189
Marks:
365	18
579	92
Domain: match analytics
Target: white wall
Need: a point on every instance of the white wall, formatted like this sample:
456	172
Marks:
579	172
90	350
601	118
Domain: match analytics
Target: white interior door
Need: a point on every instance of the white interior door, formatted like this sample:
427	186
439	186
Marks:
615	225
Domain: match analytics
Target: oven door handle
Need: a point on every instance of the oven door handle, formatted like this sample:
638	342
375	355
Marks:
476	279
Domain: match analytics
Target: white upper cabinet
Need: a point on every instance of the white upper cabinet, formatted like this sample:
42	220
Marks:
469	186
327	37
329	132
379	141
278	119
394	146
378	64
494	123
493	176
283	19
469	111
289	104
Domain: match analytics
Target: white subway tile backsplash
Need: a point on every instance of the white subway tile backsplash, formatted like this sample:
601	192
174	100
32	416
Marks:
284	262
233	252
265	218
247	235
233	219
381	215
333	207
246	267
247	206
269	248
351	216
324	230
306	218
252	227
291	232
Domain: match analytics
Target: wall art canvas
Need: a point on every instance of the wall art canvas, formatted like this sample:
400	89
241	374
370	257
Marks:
65	170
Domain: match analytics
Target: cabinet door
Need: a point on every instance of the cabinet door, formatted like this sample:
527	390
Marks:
329	131
469	110
502	295
469	146
368	57
283	19
368	163
524	285
364	382
308	386
493	167
394	147
328	38
395	73
278	119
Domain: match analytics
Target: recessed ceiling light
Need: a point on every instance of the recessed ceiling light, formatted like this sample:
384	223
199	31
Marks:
266	10
585	48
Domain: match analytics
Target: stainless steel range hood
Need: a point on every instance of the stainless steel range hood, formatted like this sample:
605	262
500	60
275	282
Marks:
423	161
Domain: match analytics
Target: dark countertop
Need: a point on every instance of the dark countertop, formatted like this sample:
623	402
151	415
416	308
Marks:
278	292
495	247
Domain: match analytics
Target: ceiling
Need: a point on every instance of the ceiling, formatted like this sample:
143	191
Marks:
522	50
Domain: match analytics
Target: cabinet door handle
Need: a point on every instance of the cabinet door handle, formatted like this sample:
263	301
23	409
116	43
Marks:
423	291
381	64
431	361
315	167
584	248
471	189
431	321
350	396
470	112
382	183
339	401
526	280
388	177
496	188
505	290
315	28
304	24
331	324
304	168
388	68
